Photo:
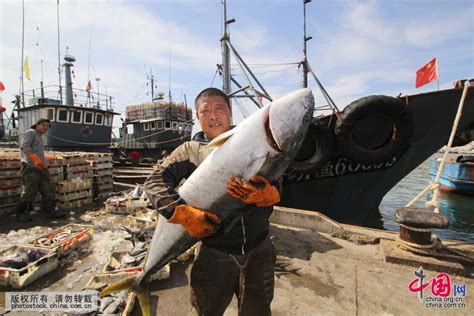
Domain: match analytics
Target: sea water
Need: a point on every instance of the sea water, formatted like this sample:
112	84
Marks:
458	208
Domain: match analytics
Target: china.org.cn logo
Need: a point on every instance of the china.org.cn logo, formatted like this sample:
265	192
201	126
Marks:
437	292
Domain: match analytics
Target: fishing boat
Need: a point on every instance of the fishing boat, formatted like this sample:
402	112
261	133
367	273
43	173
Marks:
80	120
156	126
457	175
352	158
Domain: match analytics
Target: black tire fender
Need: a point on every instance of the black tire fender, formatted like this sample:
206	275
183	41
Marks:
315	151
360	136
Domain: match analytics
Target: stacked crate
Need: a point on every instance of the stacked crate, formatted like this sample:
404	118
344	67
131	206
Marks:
74	193
55	168
77	176
10	180
76	166
102	168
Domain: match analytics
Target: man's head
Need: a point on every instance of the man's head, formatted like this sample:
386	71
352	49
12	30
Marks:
42	125
213	112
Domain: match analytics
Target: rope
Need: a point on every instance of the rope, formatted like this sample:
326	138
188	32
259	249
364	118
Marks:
434	200
417	229
434	249
84	143
241	278
435	184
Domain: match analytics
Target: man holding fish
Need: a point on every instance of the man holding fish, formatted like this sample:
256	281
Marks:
222	193
35	175
226	258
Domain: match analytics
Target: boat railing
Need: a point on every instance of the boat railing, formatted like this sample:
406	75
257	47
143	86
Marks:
51	95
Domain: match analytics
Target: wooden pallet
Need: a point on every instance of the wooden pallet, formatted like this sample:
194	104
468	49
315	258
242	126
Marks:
73	195
75	203
68	185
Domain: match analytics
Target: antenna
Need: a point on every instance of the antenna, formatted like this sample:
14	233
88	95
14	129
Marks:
59	55
89	57
42	80
225	51
305	40
22	92
152	83
169	78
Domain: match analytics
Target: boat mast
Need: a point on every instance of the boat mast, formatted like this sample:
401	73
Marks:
225	51
305	40
152	83
22	92
59	54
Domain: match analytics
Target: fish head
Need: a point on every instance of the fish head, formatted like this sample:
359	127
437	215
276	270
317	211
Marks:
288	120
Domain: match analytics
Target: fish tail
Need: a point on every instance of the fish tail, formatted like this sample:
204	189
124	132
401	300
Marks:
144	300
124	284
130	283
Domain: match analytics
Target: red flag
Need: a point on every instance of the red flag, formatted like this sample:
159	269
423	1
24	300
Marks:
89	86
2	87
427	73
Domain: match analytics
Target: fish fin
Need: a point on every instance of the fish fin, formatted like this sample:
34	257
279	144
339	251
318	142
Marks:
144	300
221	139
124	284
253	168
129	284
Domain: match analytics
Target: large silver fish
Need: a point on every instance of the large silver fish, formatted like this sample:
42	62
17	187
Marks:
265	143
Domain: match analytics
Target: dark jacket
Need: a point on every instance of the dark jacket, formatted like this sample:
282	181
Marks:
161	185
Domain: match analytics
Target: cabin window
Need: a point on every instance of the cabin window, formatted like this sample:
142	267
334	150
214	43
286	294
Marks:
76	117
175	126
167	124
108	119
159	125
146	126
180	127
48	113
99	119
63	115
89	118
153	126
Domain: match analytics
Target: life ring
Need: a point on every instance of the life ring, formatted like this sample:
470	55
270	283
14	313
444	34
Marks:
374	129
315	151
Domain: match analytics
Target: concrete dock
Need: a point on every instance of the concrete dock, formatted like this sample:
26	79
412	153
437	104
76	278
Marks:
319	271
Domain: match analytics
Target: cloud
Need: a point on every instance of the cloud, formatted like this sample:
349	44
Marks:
359	48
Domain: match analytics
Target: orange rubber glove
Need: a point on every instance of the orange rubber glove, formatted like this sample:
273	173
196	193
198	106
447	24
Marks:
36	160
197	222
254	193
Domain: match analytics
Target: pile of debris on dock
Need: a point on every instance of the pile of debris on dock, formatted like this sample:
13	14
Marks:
79	177
95	248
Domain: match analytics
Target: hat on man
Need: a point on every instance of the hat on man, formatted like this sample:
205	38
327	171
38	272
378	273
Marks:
41	120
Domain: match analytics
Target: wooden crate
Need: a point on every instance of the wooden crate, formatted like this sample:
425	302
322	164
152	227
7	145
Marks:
115	257
99	281
6	163
75	203
73	195
82	235
10	191
68	185
19	278
139	219
10	172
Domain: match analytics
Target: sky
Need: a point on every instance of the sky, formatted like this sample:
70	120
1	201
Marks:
359	48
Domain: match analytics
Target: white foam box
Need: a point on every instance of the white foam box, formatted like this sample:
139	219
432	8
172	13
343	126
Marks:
19	278
83	234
